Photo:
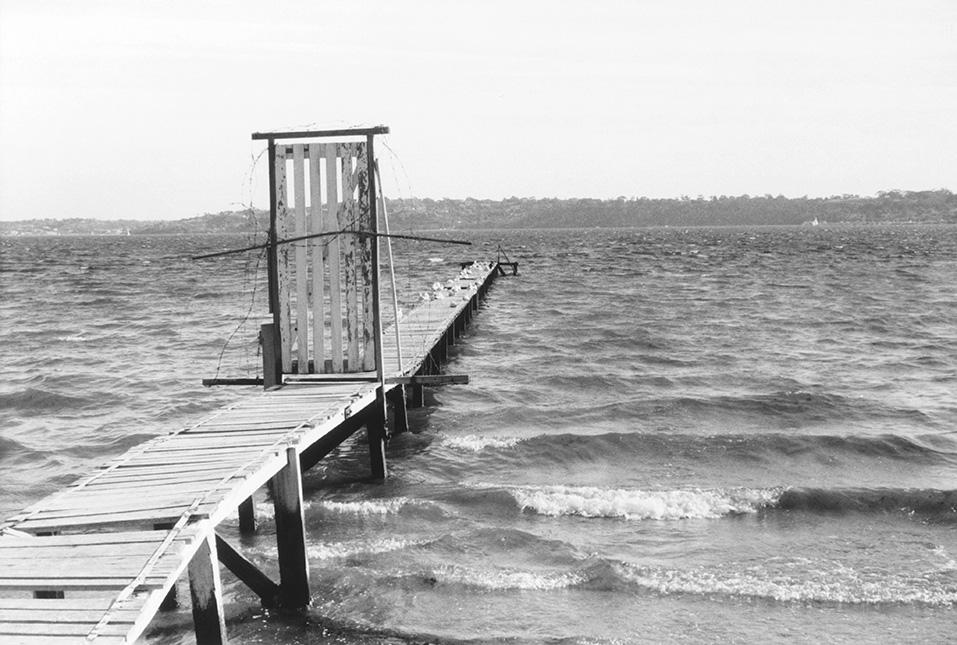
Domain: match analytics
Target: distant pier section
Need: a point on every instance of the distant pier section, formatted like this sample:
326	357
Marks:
95	562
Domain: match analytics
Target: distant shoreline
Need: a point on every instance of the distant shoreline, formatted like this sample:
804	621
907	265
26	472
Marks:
827	226
891	207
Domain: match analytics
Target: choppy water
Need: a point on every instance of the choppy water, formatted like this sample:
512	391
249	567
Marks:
737	435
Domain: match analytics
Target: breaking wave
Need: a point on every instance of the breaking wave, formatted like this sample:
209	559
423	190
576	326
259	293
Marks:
633	504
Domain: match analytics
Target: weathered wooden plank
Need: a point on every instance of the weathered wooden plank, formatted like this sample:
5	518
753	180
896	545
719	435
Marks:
52	569
126	537
227	448
317	258
76	584
334	253
154	515
98	552
302	270
282	253
53	616
27	639
148	474
57	629
73	505
347	221
365	266
238	442
55	606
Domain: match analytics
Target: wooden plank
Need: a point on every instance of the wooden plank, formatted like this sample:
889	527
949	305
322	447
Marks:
318	259
14	628
282	265
144	473
52	616
153	515
208	449
302	270
56	606
126	537
347	221
365	261
240	441
334	255
53	569
74	505
75	584
26	639
100	553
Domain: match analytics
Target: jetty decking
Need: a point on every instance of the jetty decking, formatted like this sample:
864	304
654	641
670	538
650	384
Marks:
93	562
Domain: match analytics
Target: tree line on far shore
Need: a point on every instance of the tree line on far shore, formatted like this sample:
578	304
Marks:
894	206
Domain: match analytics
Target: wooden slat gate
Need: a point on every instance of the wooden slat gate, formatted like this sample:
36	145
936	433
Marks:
324	290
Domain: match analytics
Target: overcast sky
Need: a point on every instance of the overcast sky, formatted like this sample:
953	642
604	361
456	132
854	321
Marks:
144	109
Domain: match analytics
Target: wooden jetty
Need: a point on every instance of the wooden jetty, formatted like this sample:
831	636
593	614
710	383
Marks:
94	562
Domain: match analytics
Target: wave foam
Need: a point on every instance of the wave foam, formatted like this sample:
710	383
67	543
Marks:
477	443
640	505
365	507
842	585
505	579
363	547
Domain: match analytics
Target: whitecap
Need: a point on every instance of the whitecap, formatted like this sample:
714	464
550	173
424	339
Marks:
476	443
586	501
832	584
503	579
365	507
361	547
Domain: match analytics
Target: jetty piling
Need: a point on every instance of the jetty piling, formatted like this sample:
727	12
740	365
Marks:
95	561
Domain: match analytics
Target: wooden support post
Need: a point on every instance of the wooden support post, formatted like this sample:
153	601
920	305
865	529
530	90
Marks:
416	396
400	416
272	366
291	535
375	429
247	516
206	591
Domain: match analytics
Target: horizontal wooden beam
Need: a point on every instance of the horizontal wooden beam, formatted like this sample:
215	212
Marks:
209	382
360	377
304	134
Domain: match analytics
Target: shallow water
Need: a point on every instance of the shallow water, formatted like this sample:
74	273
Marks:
742	435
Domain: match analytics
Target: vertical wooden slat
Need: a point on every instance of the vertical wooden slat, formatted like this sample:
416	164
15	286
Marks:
334	254
282	260
365	268
317	250
302	271
272	368
347	219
